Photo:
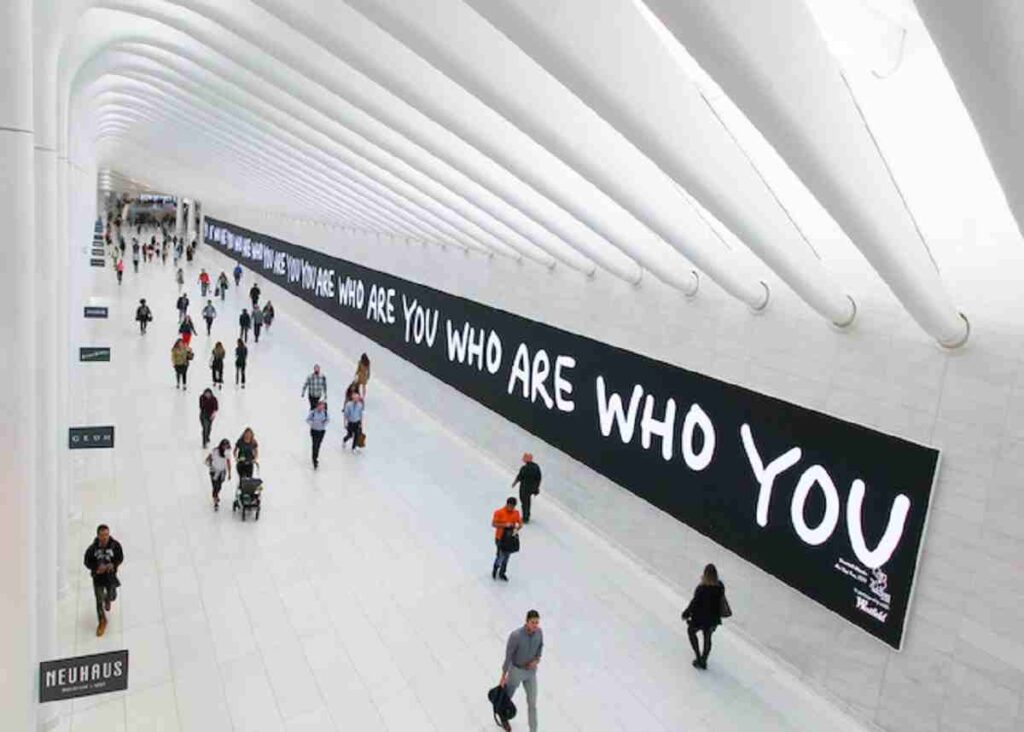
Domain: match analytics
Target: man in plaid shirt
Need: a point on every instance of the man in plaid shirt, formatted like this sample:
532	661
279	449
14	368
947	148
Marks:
315	387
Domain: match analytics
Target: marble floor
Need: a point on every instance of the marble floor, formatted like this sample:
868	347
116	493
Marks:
362	599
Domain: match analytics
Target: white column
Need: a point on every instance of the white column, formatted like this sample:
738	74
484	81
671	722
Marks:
179	217
63	370
48	448
18	364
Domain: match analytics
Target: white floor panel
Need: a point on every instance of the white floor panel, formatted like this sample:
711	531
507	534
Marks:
362	599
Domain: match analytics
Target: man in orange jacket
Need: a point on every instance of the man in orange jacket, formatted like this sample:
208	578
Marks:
506	522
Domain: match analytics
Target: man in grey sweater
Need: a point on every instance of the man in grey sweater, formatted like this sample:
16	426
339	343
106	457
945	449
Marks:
522	656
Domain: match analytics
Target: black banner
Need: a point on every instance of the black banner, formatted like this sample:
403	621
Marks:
93	354
88	438
68	678
95	311
833	509
98	262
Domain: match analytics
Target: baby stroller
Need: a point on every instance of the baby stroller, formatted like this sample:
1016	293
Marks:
247	497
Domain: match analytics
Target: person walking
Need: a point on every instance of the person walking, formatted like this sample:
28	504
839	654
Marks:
237	272
209	313
362	376
222	285
317	420
181	355
506	522
241	356
315	387
528	480
353	413
219	463
204	283
163	252
247	453
143	315
187	329
268	316
523	652
244	322
254	295
208	406
102	558
257	322
182	304
705	613
179	277
119	267
135	257
217	365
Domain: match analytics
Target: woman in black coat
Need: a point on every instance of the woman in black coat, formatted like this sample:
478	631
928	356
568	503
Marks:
704	613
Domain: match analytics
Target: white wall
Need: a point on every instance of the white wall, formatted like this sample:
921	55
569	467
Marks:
962	666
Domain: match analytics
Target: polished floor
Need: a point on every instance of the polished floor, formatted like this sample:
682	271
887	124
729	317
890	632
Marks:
362	599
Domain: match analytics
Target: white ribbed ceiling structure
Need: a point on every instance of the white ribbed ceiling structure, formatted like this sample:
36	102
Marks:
568	134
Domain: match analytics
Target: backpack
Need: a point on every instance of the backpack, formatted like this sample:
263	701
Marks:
503	708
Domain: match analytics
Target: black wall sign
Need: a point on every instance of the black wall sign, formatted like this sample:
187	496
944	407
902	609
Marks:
95	311
86	438
98	262
833	509
68	678
92	354
97	251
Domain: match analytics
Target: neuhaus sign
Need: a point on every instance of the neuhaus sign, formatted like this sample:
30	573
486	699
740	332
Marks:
69	678
833	509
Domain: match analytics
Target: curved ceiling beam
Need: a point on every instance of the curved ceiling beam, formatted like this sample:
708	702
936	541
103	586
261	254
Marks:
261	160
320	70
550	247
482	62
352	166
353	188
980	46
789	86
301	92
180	179
303	165
615	63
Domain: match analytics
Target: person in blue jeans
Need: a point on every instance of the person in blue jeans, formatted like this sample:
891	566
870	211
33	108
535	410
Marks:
353	412
317	420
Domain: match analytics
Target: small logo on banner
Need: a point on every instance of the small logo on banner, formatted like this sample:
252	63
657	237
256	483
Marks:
68	678
86	438
93	353
95	311
98	262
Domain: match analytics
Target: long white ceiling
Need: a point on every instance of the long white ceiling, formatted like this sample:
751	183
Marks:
574	133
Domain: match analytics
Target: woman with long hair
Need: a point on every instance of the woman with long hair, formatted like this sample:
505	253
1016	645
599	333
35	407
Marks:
705	612
247	453
219	463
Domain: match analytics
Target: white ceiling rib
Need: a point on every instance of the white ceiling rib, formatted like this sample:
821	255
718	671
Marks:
554	134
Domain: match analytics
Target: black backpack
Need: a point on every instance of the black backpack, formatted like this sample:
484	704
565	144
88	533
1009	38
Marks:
503	707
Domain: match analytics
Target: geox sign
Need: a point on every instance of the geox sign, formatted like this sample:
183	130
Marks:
85	438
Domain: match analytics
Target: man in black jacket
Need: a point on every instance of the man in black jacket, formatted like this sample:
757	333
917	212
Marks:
528	479
103	557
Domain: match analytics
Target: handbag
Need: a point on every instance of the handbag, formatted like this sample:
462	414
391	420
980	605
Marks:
725	611
361	440
509	542
504	708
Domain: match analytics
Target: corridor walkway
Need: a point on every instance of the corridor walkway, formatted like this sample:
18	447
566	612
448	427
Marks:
362	599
